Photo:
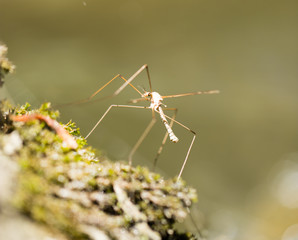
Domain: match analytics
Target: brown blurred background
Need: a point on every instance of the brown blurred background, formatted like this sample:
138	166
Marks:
245	161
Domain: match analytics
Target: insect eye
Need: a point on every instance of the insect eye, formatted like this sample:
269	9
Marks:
147	94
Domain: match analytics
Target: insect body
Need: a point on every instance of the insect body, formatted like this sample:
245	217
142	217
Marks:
156	102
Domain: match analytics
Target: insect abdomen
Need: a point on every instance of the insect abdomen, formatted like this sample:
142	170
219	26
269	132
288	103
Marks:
172	136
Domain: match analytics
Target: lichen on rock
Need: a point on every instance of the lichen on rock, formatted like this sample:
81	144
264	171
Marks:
5	65
81	193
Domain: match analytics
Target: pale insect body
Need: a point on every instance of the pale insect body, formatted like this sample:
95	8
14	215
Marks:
156	102
156	106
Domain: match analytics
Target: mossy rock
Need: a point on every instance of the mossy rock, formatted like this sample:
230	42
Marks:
78	192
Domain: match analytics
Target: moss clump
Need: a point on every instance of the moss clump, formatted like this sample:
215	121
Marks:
83	195
5	65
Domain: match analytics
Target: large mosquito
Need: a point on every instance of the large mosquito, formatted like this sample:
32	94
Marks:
156	106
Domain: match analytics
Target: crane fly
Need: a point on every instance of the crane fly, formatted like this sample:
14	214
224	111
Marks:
156	106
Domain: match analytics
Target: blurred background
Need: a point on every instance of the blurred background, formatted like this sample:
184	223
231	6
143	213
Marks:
244	163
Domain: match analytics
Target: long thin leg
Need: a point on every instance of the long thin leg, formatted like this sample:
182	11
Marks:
127	82
165	137
194	223
121	88
192	93
145	66
145	133
178	95
142	137
190	146
187	154
106	112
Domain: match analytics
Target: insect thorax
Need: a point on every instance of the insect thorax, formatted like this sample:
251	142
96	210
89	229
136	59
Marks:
156	100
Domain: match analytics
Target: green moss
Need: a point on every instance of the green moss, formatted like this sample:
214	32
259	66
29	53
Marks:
69	189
